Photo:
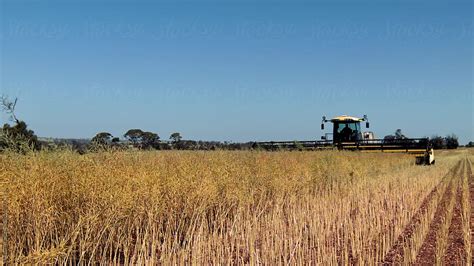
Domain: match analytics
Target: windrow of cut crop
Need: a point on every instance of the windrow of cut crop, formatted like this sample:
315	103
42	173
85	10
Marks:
435	242
456	249
409	242
395	254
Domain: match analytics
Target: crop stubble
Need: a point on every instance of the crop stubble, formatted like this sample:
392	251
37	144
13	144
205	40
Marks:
220	221
445	240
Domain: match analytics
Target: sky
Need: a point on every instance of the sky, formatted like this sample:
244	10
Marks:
238	70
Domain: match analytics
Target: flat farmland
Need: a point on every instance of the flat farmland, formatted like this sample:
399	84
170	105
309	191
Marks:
245	207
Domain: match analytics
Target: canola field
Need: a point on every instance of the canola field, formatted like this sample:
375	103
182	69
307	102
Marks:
235	207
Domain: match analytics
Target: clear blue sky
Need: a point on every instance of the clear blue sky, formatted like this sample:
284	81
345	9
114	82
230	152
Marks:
236	70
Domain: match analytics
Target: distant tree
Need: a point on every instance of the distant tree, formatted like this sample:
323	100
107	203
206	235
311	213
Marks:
150	140
79	146
116	140
8	106
134	135
17	137
470	144
176	137
164	146
102	138
438	142
143	140
452	142
186	145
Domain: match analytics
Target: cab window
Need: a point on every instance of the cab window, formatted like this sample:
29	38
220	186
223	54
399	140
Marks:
352	126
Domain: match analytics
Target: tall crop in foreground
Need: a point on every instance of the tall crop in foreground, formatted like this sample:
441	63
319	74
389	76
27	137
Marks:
210	207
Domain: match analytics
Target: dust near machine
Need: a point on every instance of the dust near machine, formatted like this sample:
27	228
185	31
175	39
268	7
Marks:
347	135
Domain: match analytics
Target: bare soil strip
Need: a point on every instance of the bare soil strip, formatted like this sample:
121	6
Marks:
427	253
455	252
396	253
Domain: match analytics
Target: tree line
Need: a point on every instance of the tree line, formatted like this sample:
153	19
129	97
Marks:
19	137
437	142
145	140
